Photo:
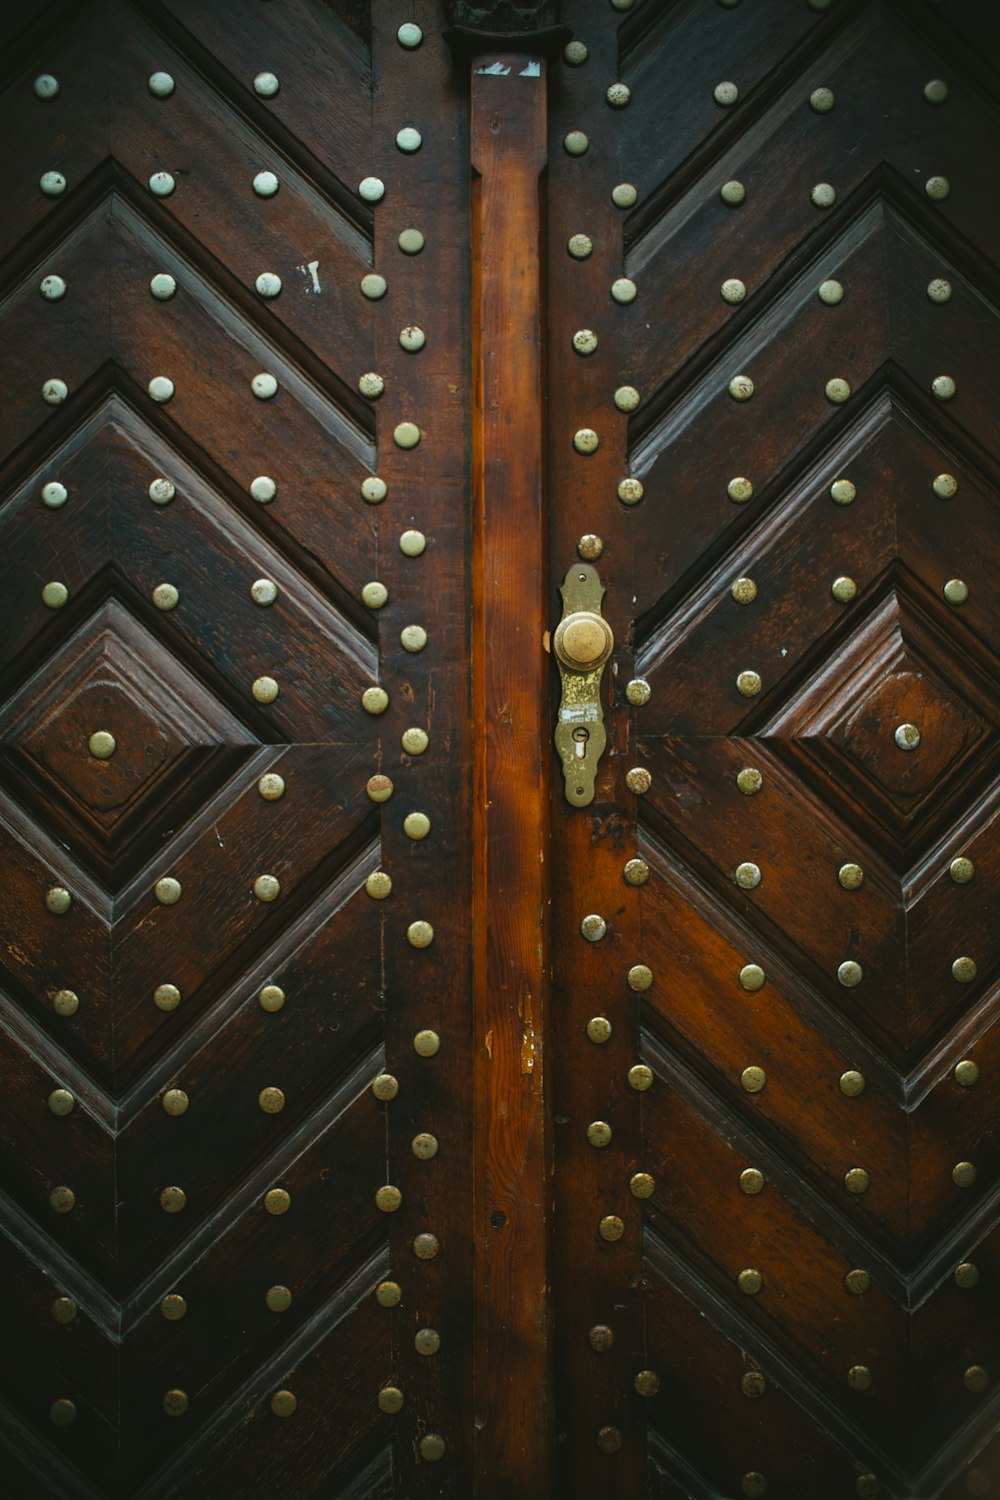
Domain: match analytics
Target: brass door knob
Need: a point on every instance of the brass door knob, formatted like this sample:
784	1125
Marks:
583	641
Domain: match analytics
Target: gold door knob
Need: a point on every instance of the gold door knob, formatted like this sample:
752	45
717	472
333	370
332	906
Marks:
583	641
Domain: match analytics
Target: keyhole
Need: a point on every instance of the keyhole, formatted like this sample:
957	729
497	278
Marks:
580	737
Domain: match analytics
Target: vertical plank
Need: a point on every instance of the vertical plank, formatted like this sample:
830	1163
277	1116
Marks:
510	711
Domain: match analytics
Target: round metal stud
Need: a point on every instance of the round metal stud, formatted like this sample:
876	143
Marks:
277	1201
371	385
410	241
267	888
749	780
576	53
58	900
939	289
166	997
162	184
266	85
844	590
412	338
590	547
374	489
859	1378
161	388
837	391
609	1439
264	689
63	1310
600	1338
173	1307
173	1200
371	189
379	885
388	1294
390	1399
427	1341
935	91
161	85
622	4
379	788
849	973
54	596
638	692
388	1199
62	1412
374	700
640	1077
752	978
753	1384
268	284
167	889
599	1133
750	1281
976	1379
906	736
611	1228
424	1146
264	386
409	35
413	638
851	877
725	94
823	195
647	1383
580	246
426	1246
406	435
277	1299
945	486
630	491
624	195
741	388
966	1275
967	1073
852	1083
857	1281
263	591
640	978
822	100
271	786
586	441
65	1002
161	492
55	392
956	591
52	184
598	1030
576	143
618	95
271	998
843	492
943	387
420	934
830	293
54	495
61	1102
626	398
414	741
584	341
52	288
385	1086
165	596
624	291
265	184
937	188
271	1101
747	875
636	872
638	780
751	1181
753	1079
374	594
739	490
593	928
733	290
732	193
409	139
283	1403
175	1102
432	1447
748	684
45	86
412	543
857	1180
744	590
963	1174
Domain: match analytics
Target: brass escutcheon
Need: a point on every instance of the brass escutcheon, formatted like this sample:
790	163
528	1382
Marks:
582	643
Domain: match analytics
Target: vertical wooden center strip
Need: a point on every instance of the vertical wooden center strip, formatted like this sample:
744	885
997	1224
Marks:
512	734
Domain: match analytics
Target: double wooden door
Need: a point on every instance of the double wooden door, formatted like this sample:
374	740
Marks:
383	1116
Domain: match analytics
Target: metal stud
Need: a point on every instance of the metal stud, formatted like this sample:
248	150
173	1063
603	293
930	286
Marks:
575	53
935	91
725	94
638	692
271	998
52	184
640	1077
271	786
837	391
599	1133
390	1399
822	100
732	193
636	872
420	934
426	1246
267	888
388	1294
385	1086
857	1180
162	184
956	591
265	184
609	1439
624	291
278	1299
843	492
747	875
424	1146
379	885
173	1200
611	1228
65	1002
58	900
161	85
751	1181
590	547
748	684
409	139
54	495
963	1174
414	741
630	491
739	490
166	997
161	388
966	1275
741	388
593	928
374	700
52	288
268	284
852	1083
753	1079
55	392
371	385
823	195
640	978
371	189
412	339
161	492
379	788
412	543
406	435
266	85
830	293
580	246
624	195
427	1341
622	4
374	489
598	1030
744	590
54	596
939	289
752	977
844	590
967	1073
416	825
63	1310
859	1378
264	386
277	1201
167	889
413	638
937	188
283	1403
626	398
600	1338
750	1281
61	1102
45	86
857	1281
175	1102
753	1384
263	591
409	35
943	387
749	780
264	689
165	596
576	143
851	877
62	1412
849	973
733	290
906	736
271	1101
976	1379
638	780
432	1447
410	241
618	95
585	341
586	441
964	970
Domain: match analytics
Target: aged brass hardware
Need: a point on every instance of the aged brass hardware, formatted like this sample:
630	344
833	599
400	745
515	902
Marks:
583	642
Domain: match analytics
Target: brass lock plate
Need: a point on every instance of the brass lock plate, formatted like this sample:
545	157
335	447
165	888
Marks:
582	643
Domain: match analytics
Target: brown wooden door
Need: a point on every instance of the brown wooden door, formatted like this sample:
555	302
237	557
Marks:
342	1155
